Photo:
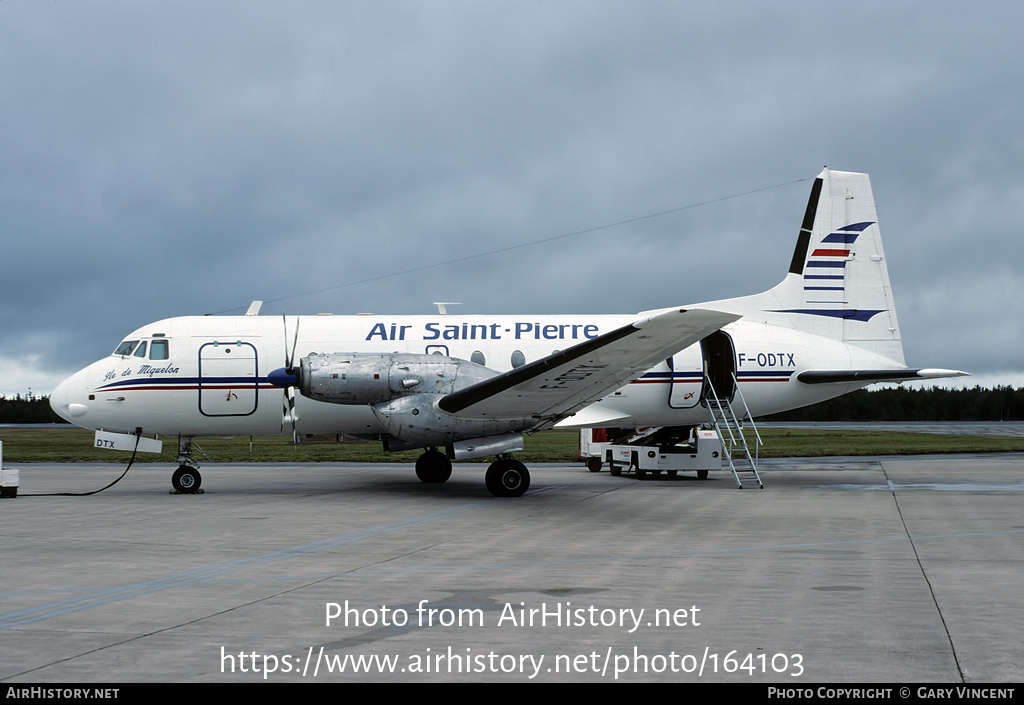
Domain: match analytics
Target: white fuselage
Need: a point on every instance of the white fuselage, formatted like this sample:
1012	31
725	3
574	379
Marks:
213	378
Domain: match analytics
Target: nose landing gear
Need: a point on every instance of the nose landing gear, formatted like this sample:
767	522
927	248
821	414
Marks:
186	479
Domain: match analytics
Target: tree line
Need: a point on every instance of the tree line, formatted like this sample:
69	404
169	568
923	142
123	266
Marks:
34	409
903	404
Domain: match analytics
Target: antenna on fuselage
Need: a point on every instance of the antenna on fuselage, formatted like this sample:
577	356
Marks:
442	304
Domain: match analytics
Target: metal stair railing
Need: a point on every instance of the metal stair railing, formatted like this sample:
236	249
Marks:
722	414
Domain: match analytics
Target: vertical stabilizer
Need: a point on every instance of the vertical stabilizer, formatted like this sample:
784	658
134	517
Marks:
838	282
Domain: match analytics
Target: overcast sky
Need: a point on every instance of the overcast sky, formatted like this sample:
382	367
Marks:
175	158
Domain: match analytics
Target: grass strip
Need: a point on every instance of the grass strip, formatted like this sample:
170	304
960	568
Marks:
75	445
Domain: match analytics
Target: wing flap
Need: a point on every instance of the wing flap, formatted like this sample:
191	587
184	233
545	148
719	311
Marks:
560	384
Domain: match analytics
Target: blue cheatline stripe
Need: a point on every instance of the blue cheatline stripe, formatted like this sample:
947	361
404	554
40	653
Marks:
824	288
674	375
827	264
697	378
204	381
823	276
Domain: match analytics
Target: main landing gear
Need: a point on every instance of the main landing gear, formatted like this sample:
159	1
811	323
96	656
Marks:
186	479
506	477
433	467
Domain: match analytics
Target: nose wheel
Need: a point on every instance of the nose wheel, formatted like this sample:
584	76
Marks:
186	480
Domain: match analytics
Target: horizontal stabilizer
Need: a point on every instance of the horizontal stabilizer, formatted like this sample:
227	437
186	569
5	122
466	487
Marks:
904	375
560	384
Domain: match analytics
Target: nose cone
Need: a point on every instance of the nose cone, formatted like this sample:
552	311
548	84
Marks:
59	400
67	399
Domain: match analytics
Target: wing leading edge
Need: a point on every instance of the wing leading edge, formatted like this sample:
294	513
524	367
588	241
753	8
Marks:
560	384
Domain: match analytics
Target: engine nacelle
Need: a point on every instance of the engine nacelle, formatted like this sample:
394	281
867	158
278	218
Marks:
402	389
372	378
416	421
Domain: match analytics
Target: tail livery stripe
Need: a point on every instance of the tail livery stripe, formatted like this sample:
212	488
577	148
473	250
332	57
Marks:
848	233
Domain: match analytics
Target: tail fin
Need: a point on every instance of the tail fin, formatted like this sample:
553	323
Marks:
838	282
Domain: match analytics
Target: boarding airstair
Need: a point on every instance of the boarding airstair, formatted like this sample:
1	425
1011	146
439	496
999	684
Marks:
727	424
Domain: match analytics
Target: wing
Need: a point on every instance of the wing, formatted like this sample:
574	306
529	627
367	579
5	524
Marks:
558	385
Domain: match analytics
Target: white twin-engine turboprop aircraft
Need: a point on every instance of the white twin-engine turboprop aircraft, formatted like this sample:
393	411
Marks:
471	386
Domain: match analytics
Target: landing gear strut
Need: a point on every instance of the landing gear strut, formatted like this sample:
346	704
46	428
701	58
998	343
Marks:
433	467
507	477
186	479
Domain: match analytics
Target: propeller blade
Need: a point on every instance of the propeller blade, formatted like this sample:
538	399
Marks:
284	321
287	379
295	342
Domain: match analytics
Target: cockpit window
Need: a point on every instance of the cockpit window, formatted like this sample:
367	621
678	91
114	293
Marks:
159	350
141	350
126	347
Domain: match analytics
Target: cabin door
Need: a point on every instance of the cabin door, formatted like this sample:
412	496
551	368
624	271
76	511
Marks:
719	366
228	379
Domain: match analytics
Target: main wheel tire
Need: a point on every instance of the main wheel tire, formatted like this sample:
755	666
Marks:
702	474
507	478
594	464
433	467
186	480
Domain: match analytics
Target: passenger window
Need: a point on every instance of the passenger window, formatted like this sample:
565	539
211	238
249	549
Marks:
141	350
159	350
478	358
518	359
126	347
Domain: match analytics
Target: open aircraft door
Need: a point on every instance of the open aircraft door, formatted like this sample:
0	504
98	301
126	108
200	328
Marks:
719	355
685	379
228	379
